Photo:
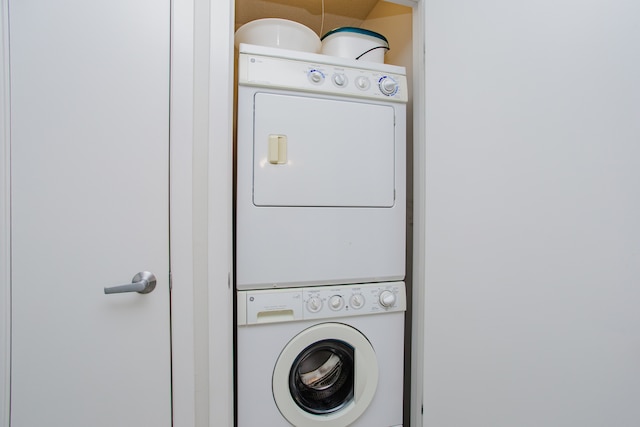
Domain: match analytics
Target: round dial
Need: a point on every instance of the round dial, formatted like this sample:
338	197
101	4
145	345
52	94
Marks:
339	80
387	299
387	85
356	301
336	302
314	304
316	76
362	83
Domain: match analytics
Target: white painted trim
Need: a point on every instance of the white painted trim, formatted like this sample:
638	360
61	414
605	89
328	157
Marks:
419	214
220	199
181	213
5	220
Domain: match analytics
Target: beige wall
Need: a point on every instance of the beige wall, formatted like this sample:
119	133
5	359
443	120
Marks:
394	22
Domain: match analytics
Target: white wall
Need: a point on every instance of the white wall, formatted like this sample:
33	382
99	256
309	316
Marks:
532	298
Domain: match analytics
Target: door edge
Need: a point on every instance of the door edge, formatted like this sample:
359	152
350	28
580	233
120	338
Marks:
5	220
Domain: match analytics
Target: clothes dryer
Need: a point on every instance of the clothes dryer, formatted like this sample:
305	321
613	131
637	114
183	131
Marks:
320	187
328	356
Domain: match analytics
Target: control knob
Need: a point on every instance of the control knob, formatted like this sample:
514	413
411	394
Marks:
316	76
388	86
387	299
356	301
339	79
336	302
362	83
314	304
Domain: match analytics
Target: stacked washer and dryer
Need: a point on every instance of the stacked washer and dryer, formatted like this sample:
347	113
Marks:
320	240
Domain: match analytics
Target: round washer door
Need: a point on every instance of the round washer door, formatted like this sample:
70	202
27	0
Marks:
326	376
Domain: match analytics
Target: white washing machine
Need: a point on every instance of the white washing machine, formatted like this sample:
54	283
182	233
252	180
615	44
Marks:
328	356
320	189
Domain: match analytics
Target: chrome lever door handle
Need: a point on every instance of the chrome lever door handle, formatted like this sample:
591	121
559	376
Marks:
142	283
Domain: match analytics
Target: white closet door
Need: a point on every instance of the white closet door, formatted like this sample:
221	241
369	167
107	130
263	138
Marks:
89	157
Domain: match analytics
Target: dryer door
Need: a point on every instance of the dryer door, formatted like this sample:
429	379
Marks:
326	376
322	152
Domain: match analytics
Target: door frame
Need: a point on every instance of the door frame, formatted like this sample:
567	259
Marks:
222	32
419	215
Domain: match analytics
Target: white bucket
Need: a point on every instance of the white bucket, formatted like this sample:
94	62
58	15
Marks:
355	43
280	33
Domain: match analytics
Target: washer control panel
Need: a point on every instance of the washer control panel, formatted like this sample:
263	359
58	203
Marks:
316	73
319	302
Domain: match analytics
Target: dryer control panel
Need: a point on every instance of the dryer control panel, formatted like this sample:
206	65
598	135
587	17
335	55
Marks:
320	302
301	71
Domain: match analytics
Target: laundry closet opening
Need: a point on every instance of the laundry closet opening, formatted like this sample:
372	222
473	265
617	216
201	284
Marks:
394	22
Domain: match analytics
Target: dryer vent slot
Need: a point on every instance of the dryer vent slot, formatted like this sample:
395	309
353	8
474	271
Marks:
275	316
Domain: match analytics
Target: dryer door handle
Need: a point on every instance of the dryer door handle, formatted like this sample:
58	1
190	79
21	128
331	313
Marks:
277	149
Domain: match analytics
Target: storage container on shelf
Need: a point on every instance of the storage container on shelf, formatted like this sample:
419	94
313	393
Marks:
280	33
355	43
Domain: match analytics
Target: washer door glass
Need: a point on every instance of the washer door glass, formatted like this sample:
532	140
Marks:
321	380
326	376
